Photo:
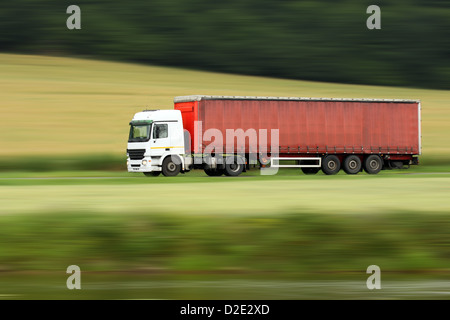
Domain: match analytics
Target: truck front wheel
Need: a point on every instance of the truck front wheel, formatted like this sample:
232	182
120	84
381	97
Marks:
171	166
373	164
331	165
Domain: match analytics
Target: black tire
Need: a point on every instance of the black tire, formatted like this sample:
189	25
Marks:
233	167
171	166
152	174
214	173
373	164
310	170
352	164
331	165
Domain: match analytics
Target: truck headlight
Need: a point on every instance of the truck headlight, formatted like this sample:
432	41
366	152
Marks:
144	162
128	163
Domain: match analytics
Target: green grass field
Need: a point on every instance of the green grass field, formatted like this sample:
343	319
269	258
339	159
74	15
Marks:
66	198
65	106
196	193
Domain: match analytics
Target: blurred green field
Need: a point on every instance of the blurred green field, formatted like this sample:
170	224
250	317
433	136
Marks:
65	106
272	237
119	222
196	193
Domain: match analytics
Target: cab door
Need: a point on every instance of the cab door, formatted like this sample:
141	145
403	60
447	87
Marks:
160	140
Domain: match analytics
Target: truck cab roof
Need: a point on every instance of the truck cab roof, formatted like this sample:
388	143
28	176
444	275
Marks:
158	115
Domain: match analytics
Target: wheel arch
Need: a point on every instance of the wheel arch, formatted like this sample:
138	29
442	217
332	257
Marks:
165	156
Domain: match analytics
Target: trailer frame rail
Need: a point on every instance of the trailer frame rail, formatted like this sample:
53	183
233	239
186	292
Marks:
275	162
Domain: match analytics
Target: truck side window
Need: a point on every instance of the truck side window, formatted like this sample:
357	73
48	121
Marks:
160	131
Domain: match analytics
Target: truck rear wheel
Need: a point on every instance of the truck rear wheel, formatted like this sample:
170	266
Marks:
331	165
233	167
214	173
352	164
310	170
152	174
171	166
373	164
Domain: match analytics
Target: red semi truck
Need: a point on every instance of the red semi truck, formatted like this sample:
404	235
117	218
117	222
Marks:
231	134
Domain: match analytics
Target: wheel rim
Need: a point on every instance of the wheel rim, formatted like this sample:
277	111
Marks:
374	165
234	167
352	164
332	165
171	166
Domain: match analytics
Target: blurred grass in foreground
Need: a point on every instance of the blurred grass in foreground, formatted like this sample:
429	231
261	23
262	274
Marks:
297	242
236	196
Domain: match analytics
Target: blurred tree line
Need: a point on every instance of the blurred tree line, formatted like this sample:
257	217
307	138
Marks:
312	40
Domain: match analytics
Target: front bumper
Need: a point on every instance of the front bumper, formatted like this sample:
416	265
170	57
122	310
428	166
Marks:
144	165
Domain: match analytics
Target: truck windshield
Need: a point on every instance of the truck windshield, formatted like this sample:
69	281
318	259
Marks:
139	132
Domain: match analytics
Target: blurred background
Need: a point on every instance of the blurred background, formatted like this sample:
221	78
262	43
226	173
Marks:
67	97
308	40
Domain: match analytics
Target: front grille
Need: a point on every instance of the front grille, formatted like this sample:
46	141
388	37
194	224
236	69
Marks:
136	154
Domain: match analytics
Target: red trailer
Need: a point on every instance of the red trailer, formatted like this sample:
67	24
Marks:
314	133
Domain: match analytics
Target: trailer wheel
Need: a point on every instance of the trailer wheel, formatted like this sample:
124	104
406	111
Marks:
310	170
152	174
331	165
171	166
233	167
352	164
214	173
373	164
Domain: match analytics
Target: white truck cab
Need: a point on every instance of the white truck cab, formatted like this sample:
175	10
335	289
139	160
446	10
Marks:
156	143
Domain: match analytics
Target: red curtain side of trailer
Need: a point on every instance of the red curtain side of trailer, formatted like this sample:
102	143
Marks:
307	126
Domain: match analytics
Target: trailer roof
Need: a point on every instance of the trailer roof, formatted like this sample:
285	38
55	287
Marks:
205	97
